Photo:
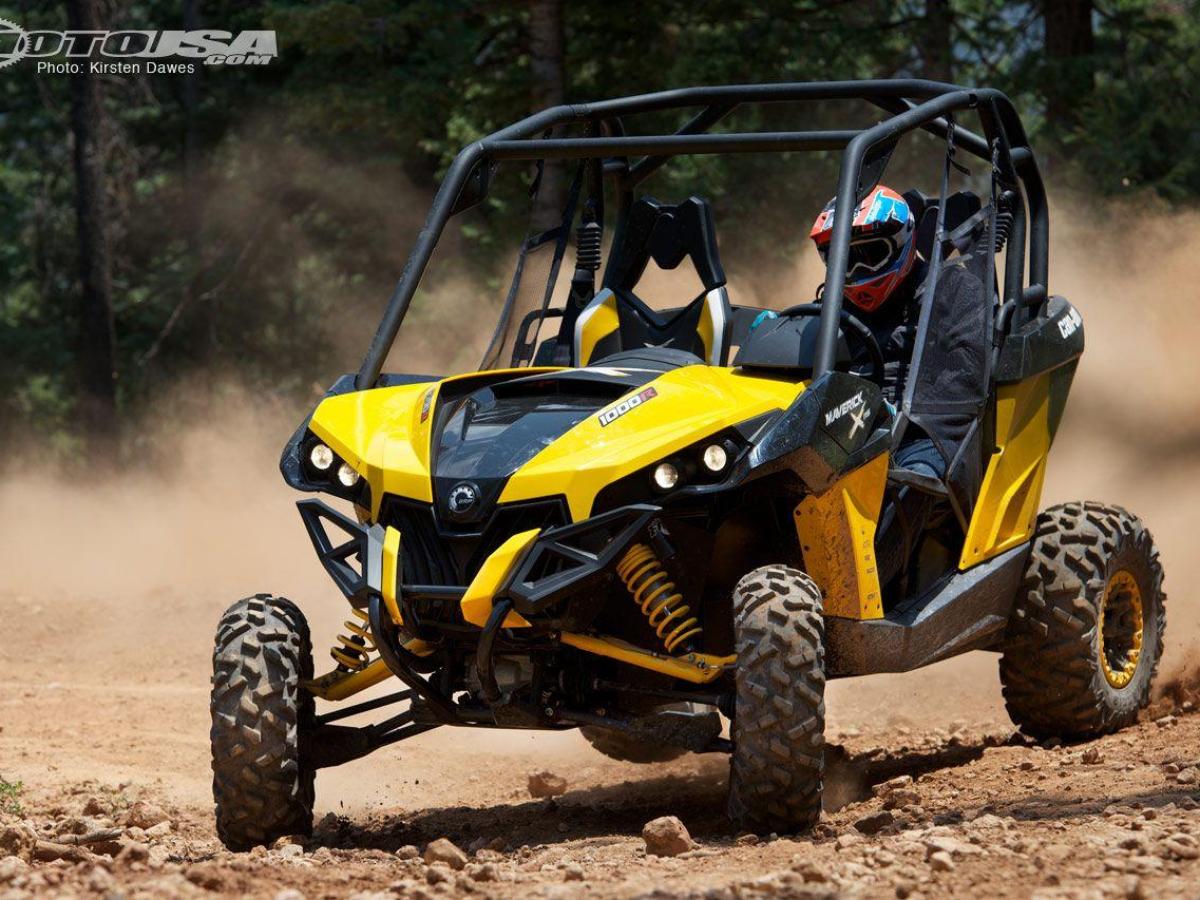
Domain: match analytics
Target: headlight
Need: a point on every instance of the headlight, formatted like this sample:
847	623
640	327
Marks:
321	457
666	476
715	458
321	468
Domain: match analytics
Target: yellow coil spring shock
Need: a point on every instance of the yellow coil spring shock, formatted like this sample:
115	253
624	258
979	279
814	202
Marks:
654	592
357	646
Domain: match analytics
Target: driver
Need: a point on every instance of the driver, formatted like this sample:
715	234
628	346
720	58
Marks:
884	274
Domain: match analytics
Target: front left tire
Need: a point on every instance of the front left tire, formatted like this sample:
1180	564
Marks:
776	769
261	715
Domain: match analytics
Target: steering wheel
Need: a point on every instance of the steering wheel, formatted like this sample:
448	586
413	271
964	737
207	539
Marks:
852	327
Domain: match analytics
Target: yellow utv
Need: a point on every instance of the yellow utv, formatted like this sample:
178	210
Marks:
661	525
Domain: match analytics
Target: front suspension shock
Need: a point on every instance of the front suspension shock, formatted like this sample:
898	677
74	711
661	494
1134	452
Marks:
656	596
357	645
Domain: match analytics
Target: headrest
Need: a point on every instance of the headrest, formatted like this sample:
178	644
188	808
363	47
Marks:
667	233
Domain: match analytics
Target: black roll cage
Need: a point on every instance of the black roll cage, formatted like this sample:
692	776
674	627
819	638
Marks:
911	104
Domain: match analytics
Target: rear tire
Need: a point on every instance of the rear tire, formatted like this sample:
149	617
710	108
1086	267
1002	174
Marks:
779	722
262	787
1086	633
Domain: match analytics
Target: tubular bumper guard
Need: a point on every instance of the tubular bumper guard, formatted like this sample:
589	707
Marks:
558	563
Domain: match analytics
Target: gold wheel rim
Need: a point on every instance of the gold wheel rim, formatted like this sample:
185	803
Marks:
1119	629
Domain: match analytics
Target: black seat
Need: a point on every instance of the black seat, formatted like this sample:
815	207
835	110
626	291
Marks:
617	319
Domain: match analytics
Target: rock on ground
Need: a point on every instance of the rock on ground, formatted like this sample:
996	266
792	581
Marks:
546	784
144	814
666	836
443	850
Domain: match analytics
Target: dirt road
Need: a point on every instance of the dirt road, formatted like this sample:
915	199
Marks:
967	809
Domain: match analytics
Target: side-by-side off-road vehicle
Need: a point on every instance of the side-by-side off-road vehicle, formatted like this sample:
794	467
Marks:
645	522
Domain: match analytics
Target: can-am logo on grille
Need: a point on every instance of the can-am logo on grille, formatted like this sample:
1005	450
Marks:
462	499
611	415
124	51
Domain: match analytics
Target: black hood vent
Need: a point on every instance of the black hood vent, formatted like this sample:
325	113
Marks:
482	438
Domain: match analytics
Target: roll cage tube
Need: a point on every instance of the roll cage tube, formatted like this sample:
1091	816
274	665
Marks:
1004	140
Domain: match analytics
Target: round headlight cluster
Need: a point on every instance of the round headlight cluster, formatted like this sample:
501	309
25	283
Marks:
712	460
327	464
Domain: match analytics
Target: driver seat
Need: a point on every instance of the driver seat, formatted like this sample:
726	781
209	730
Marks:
617	320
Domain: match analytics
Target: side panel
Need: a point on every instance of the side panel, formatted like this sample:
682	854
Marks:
1012	486
1033	375
969	611
837	535
839	423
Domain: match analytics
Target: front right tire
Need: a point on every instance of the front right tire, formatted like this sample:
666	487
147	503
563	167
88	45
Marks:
262	786
779	718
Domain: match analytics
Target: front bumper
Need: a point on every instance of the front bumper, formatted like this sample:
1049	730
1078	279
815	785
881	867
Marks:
557	563
356	562
534	575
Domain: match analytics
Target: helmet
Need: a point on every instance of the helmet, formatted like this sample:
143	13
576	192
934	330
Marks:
882	246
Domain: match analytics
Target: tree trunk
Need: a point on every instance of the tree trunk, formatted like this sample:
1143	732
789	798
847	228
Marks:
548	89
190	97
97	341
1069	45
935	43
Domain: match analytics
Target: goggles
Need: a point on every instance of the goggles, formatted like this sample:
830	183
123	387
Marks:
867	257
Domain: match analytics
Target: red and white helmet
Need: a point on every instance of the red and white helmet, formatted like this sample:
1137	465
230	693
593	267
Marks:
882	246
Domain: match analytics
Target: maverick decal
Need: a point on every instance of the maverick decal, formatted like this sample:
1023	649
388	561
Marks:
843	408
611	415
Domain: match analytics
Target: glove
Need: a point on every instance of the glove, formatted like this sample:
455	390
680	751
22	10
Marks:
764	316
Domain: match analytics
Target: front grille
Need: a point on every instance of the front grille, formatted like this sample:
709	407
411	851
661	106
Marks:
424	556
435	555
431	555
514	518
